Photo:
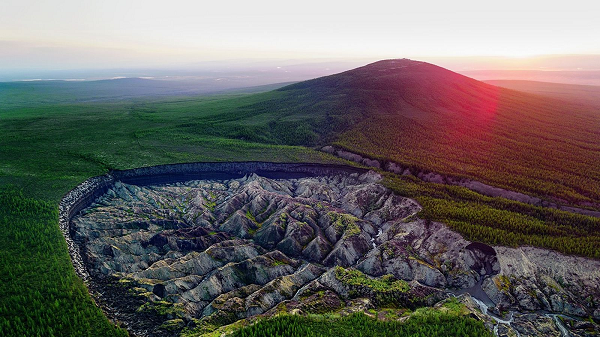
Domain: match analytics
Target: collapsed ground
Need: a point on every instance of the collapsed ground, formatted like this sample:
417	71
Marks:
194	256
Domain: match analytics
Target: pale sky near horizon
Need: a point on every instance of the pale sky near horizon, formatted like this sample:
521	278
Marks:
71	34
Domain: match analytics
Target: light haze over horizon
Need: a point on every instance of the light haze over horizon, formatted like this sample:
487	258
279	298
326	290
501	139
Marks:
42	36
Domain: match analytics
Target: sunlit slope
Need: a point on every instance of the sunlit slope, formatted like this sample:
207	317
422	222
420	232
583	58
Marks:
426	116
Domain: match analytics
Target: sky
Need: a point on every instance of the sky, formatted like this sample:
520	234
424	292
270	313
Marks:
37	35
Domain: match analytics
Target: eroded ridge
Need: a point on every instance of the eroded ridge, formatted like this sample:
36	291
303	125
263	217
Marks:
218	251
199	240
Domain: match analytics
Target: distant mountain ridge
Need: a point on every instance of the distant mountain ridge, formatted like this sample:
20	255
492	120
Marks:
583	94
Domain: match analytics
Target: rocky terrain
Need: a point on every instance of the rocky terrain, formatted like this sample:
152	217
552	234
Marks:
216	251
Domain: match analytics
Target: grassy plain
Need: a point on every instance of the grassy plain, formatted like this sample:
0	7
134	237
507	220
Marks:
582	94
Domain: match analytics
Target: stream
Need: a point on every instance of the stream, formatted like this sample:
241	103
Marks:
483	306
379	232
563	330
484	309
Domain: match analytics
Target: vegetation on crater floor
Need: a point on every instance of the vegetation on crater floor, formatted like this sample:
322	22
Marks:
428	323
383	291
344	224
354	277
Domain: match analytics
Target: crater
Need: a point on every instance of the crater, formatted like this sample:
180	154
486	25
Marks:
164	250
